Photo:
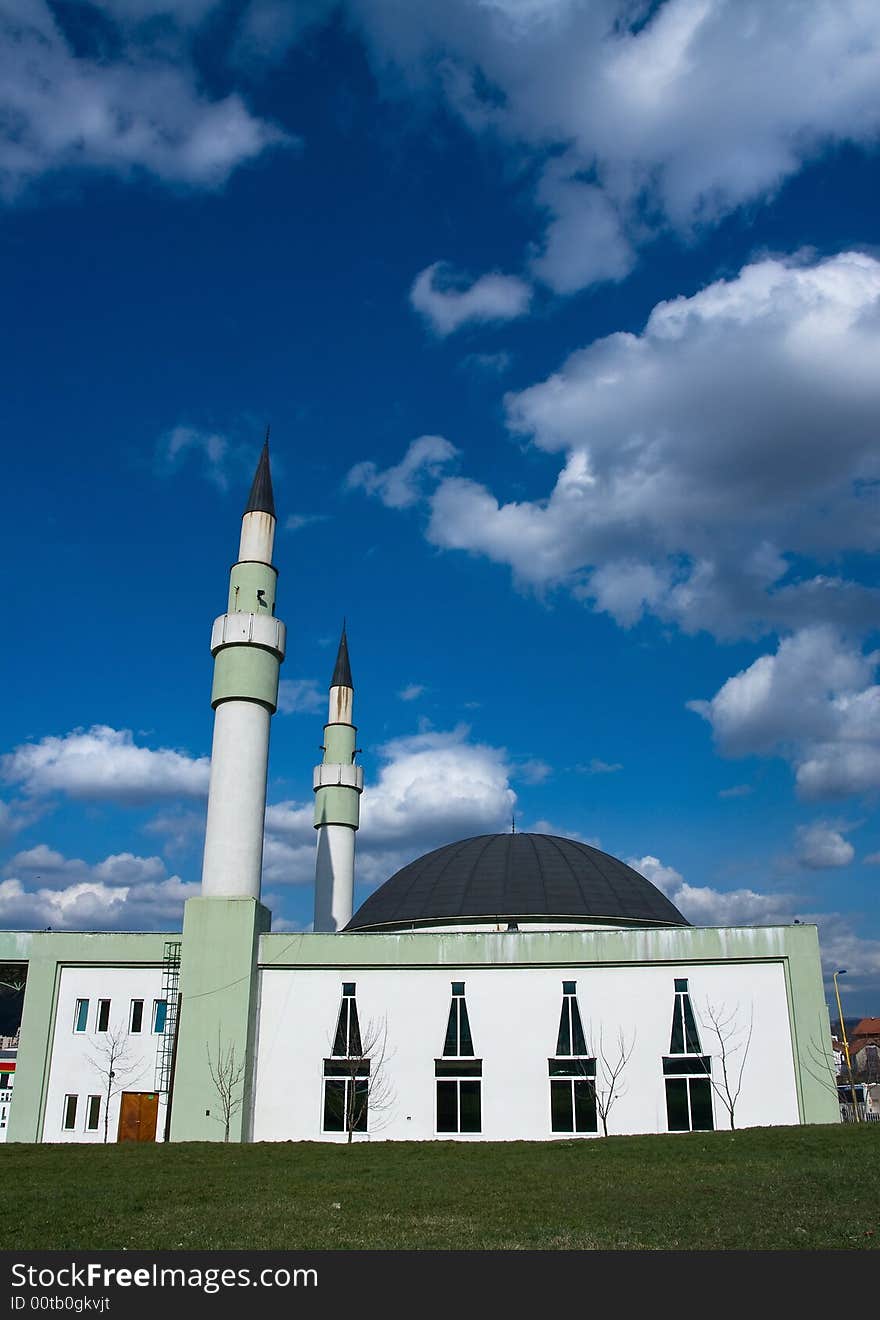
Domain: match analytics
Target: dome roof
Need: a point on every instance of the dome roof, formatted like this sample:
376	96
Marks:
511	877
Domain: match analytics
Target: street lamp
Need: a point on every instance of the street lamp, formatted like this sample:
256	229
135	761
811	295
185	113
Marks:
852	1088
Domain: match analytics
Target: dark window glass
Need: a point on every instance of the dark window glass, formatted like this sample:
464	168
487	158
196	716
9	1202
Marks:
334	1106
81	1019
447	1106
458	987
69	1113
569	987
354	1031
578	1044
681	985
572	1067
469	1101
450	1043
94	1113
348	989
359	1102
584	1106
676	1044
563	1040
137	1014
692	1039
458	1068
677	1115
103	1014
561	1115
160	1015
687	1064
340	1040
465	1044
4	1081
701	1104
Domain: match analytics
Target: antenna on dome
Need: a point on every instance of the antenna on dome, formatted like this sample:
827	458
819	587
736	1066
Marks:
512	823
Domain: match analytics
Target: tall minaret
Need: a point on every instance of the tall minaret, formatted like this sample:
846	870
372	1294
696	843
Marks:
247	644
338	784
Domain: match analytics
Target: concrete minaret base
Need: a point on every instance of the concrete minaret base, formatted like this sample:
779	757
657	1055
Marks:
334	877
233	860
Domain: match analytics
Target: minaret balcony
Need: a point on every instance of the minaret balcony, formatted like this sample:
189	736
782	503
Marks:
249	630
339	776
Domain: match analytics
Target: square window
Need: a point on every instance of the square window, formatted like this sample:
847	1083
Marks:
681	985
136	1021
103	1014
81	1016
458	987
69	1113
348	989
569	987
93	1113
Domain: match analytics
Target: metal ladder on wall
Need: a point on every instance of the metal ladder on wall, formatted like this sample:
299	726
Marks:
171	995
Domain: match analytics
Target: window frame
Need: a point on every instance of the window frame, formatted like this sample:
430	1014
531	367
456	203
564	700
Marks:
90	1106
81	1017
136	1004
476	1085
102	1004
157	1004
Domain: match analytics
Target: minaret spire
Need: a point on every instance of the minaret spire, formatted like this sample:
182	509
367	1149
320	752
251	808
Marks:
342	672
338	784
261	498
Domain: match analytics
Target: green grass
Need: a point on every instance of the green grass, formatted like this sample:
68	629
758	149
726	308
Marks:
763	1188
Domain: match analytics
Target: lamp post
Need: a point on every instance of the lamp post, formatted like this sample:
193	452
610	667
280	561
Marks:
852	1088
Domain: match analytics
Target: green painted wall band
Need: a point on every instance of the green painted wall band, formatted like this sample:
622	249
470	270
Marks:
339	744
246	673
336	805
245	580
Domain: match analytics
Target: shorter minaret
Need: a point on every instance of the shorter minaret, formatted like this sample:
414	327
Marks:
338	784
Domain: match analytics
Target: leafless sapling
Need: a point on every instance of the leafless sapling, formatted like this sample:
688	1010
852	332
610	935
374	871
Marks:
734	1038
227	1074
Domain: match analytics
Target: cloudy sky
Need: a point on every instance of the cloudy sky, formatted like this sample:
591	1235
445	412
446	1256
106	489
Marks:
566	316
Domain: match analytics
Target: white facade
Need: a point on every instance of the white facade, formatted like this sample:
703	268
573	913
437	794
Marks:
80	1058
514	1015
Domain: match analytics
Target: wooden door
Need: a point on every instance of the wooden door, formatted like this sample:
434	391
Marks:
138	1112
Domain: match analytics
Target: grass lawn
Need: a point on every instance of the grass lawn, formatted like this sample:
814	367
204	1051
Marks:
763	1188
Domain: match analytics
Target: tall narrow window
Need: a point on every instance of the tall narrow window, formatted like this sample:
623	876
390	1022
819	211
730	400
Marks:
93	1113
81	1016
103	1014
572	1071
160	1014
458	1074
347	1041
69	1121
136	1022
458	1043
347	1071
687	1072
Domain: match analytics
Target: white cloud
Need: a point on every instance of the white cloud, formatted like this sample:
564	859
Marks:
814	702
599	767
633	118
297	696
439	297
533	771
411	692
297	521
123	892
737	432
179	830
820	846
140	111
432	787
736	791
401	486
104	765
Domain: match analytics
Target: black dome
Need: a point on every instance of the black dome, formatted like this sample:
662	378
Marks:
508	877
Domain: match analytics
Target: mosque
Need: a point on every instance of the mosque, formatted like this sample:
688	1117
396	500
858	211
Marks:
506	987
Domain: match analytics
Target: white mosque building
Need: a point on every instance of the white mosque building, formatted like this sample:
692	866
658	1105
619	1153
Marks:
507	987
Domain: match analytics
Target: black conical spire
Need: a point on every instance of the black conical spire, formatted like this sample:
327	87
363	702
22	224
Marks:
261	499
342	672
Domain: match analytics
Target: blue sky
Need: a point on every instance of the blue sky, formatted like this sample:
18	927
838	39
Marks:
566	317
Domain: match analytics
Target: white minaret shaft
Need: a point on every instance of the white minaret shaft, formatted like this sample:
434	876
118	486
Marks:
338	785
248	646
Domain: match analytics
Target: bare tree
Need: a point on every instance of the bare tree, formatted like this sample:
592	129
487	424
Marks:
227	1075
116	1065
13	978
734	1039
610	1064
369	1094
